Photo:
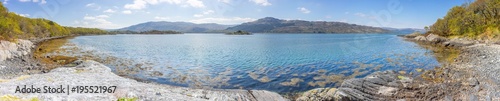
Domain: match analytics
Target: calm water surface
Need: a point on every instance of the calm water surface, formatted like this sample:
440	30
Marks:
275	62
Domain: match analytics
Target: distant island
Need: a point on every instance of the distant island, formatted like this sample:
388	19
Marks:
239	32
159	32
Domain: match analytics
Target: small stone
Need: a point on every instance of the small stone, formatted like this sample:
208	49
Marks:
484	57
402	72
419	70
473	98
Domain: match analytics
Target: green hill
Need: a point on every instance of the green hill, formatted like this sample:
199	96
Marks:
13	26
477	20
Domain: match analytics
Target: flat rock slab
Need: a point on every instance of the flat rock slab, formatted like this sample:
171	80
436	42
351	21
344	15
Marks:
91	73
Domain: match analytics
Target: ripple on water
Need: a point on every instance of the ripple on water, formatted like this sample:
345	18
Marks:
276	62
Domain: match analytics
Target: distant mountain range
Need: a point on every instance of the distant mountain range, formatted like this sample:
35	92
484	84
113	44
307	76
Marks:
273	25
267	25
176	26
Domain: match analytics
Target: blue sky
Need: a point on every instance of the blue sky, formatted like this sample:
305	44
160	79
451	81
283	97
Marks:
111	14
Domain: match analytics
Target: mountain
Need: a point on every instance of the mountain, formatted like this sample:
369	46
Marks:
273	25
176	26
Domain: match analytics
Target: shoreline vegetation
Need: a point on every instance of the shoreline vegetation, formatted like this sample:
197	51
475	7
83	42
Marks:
470	73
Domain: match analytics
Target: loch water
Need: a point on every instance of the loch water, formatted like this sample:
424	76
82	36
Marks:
277	62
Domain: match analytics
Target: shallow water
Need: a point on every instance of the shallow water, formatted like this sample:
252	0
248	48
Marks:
276	62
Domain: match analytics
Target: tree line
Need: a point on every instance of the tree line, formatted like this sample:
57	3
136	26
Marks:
14	26
478	20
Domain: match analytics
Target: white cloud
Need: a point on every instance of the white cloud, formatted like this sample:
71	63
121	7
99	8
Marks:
35	1
88	17
24	15
138	4
172	1
360	14
161	18
99	21
195	3
109	11
208	12
304	10
234	20
102	16
90	5
141	4
127	12
93	6
224	1
262	2
5	1
198	15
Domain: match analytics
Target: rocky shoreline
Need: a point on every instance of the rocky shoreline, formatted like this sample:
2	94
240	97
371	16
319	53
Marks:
16	58
473	76
18	70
